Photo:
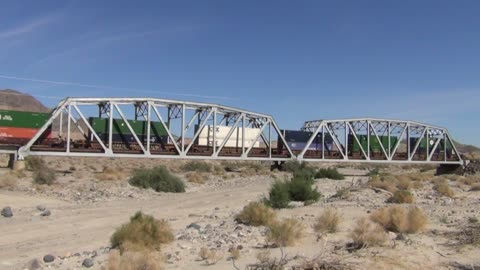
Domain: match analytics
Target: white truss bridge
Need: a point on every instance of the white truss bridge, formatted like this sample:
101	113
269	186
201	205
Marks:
244	135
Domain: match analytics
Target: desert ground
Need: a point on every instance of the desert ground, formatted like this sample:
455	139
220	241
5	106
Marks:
91	198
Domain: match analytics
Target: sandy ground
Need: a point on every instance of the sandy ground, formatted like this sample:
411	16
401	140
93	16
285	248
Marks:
81	223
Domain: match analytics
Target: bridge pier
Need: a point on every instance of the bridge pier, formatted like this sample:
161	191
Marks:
449	169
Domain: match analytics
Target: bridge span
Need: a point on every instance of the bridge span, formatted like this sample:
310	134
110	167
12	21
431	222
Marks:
175	129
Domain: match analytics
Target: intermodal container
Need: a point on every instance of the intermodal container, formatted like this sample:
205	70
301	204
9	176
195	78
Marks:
22	119
129	138
100	125
23	133
297	140
375	144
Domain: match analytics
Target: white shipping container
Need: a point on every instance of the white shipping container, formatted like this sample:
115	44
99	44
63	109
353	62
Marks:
235	140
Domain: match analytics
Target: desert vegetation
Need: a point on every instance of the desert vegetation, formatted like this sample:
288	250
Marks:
286	232
42	173
256	214
330	173
400	219
328	221
367	234
158	179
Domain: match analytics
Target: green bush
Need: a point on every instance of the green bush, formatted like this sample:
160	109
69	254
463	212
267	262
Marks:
330	173
197	166
158	179
278	196
142	232
300	189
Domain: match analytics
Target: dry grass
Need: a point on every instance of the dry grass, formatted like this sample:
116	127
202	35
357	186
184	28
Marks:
196	177
441	186
145	260
400	219
142	232
475	187
342	193
235	253
401	196
257	214
388	184
109	174
404	182
8	181
285	233
328	222
367	234
210	256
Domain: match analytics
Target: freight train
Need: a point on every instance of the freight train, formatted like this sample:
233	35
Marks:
17	128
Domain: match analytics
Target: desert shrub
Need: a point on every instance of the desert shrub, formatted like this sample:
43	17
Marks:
234	253
158	178
142	232
442	187
45	176
266	262
475	187
307	174
278	196
401	196
7	181
367	234
34	163
404	182
328	222
342	193
387	184
108	174
285	233
197	166
145	260
293	165
195	177
300	189
373	172
400	219
330	173
256	214
211	256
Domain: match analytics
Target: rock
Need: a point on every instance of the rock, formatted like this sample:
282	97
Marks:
392	235
87	263
194	226
48	258
401	237
7	212
41	207
33	264
46	213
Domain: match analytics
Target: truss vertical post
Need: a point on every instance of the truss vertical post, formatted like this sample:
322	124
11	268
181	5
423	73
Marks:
409	150
324	144
68	127
346	141
428	143
110	126
243	134
214	130
183	129
389	127
149	121
368	139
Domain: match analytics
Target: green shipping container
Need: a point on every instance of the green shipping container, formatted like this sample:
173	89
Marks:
375	145
100	125
23	119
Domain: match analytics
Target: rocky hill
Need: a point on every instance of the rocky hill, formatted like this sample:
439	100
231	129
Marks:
15	100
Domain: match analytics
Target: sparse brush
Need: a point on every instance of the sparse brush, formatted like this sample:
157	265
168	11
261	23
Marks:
34	163
196	177
443	188
367	234
197	166
342	193
8	181
385	184
142	232
247	172
235	253
210	256
404	182
330	173
256	214
328	222
285	232
400	219
475	187
45	176
401	196
158	178
144	260
108	174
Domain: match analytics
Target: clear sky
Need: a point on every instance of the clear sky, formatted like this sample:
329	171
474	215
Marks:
296	60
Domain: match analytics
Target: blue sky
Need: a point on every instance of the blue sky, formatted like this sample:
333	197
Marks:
296	60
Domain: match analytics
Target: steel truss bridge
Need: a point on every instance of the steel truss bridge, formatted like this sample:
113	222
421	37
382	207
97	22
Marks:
347	140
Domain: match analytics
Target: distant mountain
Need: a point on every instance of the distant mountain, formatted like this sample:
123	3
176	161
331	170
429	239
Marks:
15	100
469	151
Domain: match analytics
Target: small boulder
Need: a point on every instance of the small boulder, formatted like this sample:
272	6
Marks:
87	263
46	213
48	258
194	226
7	212
41	207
